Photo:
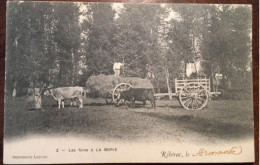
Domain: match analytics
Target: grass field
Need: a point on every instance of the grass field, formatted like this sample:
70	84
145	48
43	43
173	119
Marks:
220	121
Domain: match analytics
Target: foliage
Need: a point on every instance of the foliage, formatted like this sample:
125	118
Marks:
66	43
100	42
229	44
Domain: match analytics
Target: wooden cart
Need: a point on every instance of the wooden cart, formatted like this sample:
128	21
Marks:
193	94
118	89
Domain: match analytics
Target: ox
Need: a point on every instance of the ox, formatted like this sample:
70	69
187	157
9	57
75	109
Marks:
65	93
138	94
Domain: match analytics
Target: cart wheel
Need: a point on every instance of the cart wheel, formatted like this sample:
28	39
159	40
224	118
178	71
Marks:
193	96
116	92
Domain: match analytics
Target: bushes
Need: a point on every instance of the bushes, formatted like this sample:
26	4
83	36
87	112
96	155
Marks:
236	94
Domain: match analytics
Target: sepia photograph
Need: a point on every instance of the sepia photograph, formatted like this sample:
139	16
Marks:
102	82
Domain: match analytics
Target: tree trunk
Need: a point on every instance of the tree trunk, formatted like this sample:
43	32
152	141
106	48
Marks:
226	81
196	70
73	67
123	67
185	70
167	82
60	74
49	76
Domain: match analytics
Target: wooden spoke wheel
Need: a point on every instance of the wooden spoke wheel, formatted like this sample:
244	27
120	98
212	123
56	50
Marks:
116	92
193	96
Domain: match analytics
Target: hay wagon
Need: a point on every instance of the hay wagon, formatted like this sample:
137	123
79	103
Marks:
116	91
193	94
110	87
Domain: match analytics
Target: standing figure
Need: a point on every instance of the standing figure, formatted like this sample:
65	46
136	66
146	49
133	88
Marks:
14	90
117	67
215	81
150	73
37	98
37	95
30	96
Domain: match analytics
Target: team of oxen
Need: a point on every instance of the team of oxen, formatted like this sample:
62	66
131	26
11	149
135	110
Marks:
77	93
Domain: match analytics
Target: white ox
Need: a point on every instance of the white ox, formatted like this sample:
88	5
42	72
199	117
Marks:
64	93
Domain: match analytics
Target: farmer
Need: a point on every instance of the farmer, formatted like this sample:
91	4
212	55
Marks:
150	74
37	95
14	90
30	96
216	77
117	66
37	98
34	100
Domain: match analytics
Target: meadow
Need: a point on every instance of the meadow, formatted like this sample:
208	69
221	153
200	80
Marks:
220	121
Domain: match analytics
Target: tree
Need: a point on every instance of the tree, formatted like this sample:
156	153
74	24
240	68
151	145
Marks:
99	29
187	34
42	38
25	37
138	36
229	43
67	38
141	42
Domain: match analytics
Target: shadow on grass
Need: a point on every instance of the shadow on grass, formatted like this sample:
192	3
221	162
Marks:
98	104
172	106
67	105
206	127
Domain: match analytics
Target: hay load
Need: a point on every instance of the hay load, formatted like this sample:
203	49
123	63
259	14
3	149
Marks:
104	84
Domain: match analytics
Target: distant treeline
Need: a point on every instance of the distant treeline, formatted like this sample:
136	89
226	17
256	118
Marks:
65	43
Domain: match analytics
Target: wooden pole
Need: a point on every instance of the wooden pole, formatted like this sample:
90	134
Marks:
123	66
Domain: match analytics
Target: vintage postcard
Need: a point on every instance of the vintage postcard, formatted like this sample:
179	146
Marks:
119	82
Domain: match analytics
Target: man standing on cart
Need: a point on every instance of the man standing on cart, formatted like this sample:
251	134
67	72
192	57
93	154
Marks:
116	67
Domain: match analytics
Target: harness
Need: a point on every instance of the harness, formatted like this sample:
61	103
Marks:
49	90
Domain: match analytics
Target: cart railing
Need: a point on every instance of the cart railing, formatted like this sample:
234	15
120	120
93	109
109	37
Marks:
179	84
193	94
